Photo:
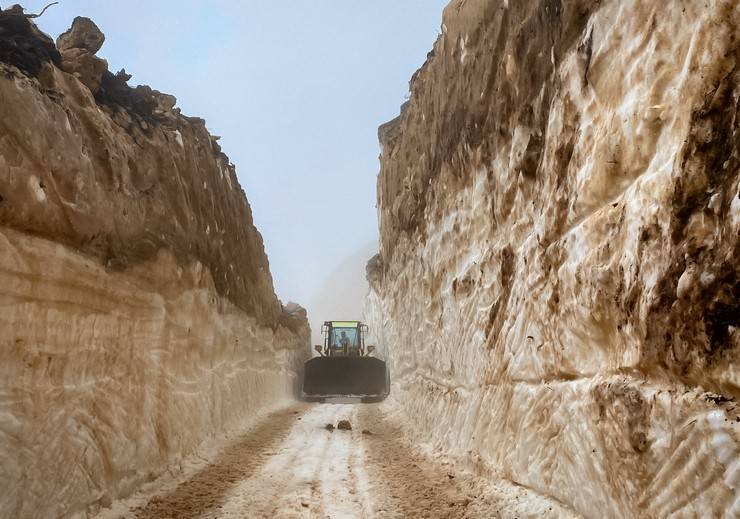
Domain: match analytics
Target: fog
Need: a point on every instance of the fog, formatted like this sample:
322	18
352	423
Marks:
342	295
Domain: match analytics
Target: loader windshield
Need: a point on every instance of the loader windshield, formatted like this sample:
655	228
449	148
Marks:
344	336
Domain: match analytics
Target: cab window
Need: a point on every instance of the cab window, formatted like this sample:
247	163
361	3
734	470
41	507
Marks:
335	337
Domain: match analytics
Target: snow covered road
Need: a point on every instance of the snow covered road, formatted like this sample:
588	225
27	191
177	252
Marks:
290	464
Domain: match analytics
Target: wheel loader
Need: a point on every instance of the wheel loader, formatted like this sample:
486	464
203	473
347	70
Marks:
345	367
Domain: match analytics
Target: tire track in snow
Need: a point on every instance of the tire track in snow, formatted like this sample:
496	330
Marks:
338	484
308	475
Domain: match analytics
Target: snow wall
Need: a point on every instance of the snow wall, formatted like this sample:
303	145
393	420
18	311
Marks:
138	313
557	285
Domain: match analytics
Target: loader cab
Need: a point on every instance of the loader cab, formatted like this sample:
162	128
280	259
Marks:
344	338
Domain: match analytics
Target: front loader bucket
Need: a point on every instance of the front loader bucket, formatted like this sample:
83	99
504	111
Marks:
332	377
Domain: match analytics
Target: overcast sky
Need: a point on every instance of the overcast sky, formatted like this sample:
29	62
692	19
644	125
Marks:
295	88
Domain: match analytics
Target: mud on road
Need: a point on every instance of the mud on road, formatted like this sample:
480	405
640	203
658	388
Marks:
291	464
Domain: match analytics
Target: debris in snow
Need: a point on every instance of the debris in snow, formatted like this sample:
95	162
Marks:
344	425
367	432
329	427
718	399
84	34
